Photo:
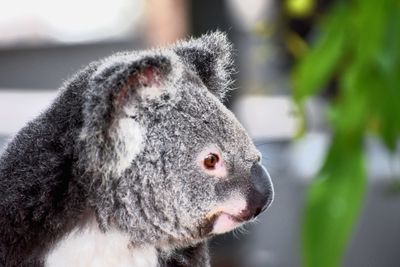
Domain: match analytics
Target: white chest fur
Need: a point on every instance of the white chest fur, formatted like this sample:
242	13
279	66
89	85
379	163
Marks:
89	247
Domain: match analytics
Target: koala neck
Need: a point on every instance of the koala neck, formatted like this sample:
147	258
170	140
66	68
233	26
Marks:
134	214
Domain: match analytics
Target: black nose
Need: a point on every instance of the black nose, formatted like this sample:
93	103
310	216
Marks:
261	190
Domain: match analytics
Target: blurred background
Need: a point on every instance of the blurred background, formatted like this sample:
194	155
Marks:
318	90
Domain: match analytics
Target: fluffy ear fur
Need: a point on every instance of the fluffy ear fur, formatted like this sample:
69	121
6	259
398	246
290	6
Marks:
111	135
123	76
210	56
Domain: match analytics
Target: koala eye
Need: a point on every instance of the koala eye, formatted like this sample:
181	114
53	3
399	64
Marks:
211	160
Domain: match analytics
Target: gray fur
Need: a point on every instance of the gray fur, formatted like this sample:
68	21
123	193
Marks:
66	164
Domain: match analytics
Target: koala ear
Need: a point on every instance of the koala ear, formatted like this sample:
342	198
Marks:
210	56
122	76
111	136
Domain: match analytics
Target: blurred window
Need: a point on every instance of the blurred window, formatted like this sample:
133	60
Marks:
68	21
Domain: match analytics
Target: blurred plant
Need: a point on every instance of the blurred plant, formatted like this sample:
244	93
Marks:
357	46
299	8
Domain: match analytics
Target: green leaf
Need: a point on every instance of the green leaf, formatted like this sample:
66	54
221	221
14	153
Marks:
359	49
332	206
317	66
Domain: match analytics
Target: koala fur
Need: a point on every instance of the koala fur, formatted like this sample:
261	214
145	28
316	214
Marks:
119	156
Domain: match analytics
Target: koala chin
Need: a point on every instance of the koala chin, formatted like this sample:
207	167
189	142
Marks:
136	163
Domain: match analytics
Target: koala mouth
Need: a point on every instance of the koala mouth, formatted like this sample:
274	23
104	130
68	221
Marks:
228	215
238	219
224	222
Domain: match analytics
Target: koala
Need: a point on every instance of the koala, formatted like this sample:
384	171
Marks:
136	163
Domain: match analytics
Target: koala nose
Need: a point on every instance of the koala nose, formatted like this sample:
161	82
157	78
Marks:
261	192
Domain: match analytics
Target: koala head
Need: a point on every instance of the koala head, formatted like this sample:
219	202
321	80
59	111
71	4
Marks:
168	162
